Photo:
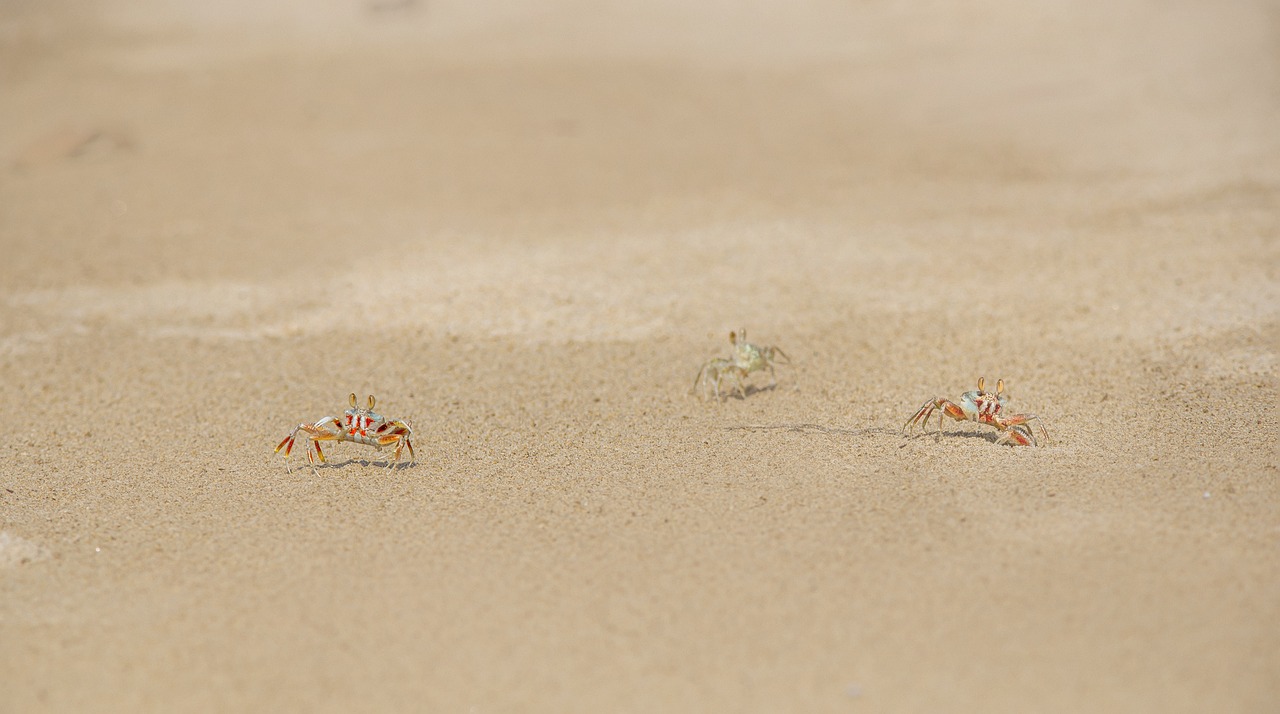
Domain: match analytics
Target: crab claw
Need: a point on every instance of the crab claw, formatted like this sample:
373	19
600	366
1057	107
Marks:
1019	435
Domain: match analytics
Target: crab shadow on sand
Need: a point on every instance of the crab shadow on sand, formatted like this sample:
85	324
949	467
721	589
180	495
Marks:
384	464
747	391
990	437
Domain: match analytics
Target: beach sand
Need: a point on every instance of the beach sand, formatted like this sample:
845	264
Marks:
524	227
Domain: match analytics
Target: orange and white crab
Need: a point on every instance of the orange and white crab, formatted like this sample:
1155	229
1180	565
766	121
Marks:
360	426
985	408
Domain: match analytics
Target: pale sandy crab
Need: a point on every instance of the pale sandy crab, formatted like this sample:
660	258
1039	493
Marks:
985	408
357	425
746	358
754	358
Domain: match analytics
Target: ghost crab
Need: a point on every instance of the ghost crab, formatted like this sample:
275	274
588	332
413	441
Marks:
754	358
985	408
746	358
357	425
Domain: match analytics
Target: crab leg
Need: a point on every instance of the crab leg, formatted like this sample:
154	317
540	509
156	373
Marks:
315	433
948	408
713	375
698	379
319	452
399	435
287	444
405	443
736	375
769	353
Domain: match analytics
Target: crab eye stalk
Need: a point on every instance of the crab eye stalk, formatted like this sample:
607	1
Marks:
370	401
353	400
999	387
981	382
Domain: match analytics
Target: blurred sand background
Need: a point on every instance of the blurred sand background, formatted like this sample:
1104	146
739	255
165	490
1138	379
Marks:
523	226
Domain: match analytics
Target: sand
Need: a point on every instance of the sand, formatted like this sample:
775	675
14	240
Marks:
523	227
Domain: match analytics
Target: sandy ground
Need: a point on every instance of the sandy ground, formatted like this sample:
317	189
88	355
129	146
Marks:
523	227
